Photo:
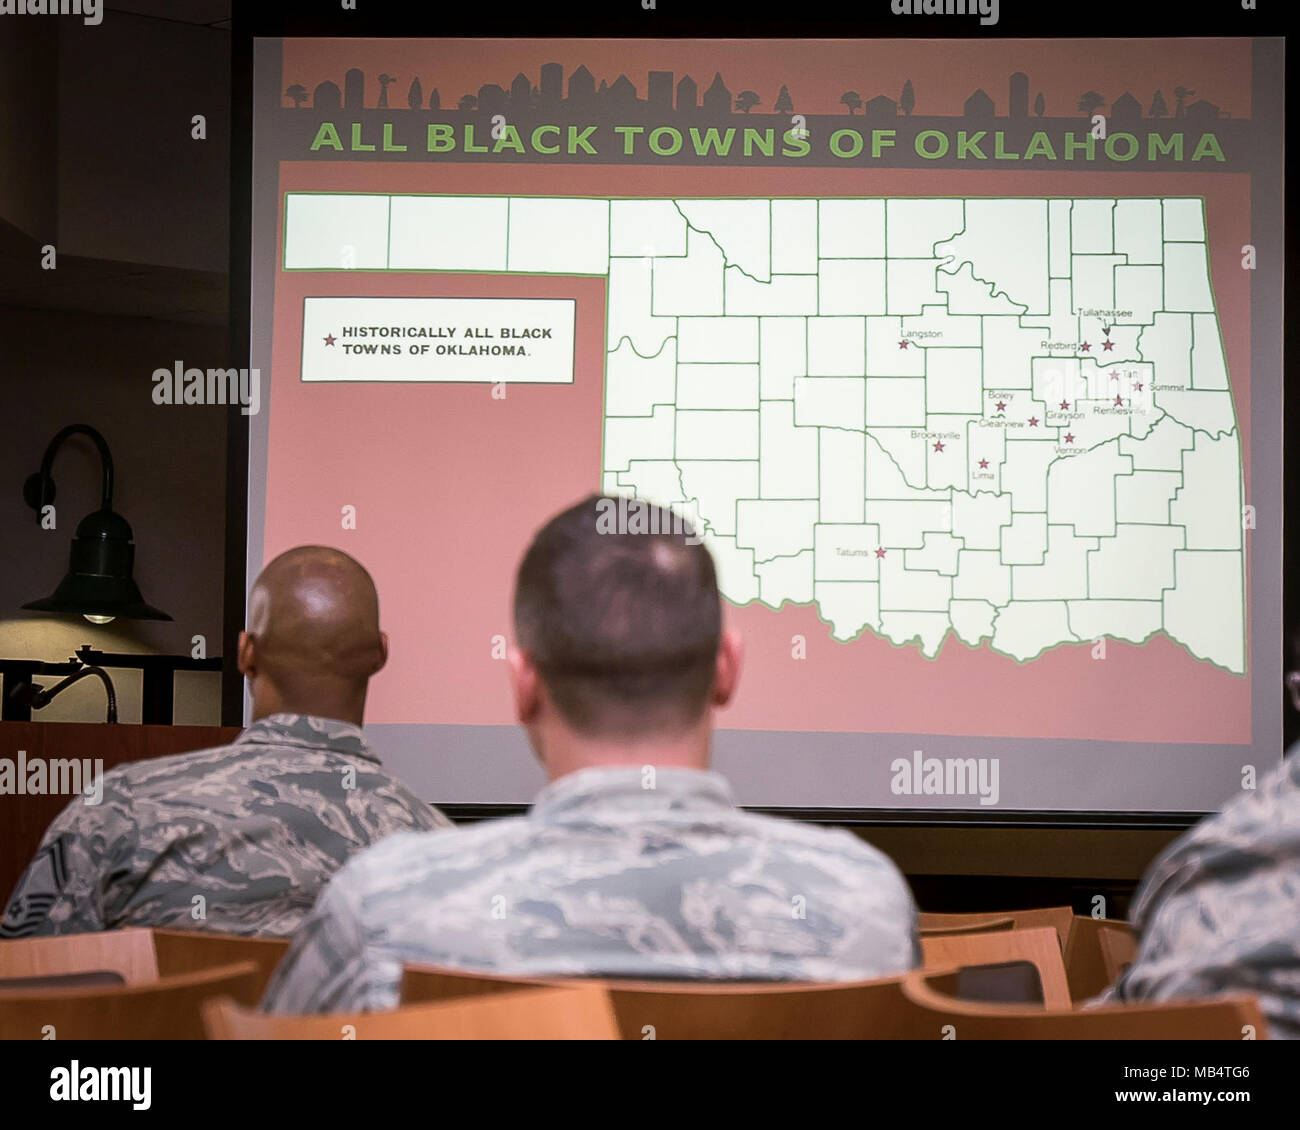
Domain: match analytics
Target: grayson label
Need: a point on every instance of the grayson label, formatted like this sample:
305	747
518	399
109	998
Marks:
412	340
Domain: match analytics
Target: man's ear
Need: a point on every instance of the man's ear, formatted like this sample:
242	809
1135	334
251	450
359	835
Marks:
525	685
727	674
383	653
247	654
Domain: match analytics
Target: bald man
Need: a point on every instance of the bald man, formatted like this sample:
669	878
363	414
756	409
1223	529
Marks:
241	839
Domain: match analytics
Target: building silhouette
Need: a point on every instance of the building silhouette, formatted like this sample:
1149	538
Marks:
1125	108
1019	106
491	99
521	92
622	93
659	94
327	96
551	90
354	89
979	105
717	99
686	94
881	106
582	87
1202	111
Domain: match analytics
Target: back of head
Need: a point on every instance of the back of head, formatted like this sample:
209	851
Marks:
623	627
313	626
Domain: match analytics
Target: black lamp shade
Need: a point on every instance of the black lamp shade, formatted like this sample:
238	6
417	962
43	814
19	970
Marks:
99	580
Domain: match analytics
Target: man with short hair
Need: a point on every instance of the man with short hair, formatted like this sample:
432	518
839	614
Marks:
241	839
1218	912
634	860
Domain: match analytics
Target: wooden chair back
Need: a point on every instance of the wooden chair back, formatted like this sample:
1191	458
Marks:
129	953
705	1010
1039	947
189	951
971	926
1060	918
164	1009
571	1013
932	1014
1098	950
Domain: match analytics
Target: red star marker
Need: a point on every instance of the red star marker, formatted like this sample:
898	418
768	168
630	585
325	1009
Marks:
938	445
329	340
1114	374
1065	405
1119	400
983	463
1069	438
904	344
1001	406
880	553
1086	346
1108	345
1137	385
1033	421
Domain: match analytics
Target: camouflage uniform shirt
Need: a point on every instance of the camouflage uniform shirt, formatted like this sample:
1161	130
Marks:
255	829
606	877
1219	910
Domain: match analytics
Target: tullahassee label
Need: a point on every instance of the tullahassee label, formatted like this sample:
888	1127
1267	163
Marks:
482	340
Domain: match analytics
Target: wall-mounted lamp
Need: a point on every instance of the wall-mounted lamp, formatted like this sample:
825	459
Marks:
99	584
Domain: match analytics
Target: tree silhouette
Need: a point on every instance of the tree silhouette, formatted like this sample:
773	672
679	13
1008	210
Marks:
415	95
1182	94
852	99
1040	105
384	82
907	100
1158	107
784	104
746	100
298	93
1089	102
435	100
604	87
467	102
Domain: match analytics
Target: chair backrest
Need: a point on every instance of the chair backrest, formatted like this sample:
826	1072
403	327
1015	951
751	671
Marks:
706	1010
128	952
932	1014
1059	918
165	1009
570	1013
1040	947
971	926
189	951
1098	950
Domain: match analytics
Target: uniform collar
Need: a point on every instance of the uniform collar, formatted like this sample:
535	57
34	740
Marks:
310	732
630	789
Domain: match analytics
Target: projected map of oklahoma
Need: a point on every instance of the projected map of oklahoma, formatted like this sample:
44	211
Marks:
1005	419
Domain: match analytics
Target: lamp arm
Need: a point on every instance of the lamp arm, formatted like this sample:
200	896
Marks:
105	459
40	696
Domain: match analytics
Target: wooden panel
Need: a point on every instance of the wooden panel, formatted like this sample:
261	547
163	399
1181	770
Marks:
706	1010
1089	967
570	1013
189	951
129	953
931	1014
167	1009
23	819
1039	946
